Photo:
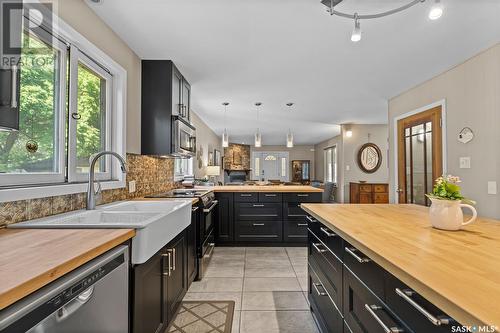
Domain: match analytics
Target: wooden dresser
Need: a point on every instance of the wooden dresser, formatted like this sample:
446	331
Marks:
369	193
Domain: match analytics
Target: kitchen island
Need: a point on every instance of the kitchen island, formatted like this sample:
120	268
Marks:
414	277
263	215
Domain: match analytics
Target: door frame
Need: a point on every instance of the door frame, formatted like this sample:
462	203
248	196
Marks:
441	103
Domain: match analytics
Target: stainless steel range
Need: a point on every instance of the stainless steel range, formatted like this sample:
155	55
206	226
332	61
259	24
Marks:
205	234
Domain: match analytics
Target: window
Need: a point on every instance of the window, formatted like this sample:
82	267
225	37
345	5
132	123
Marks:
330	156
72	105
183	167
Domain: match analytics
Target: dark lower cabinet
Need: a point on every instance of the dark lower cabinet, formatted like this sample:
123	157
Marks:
369	299
148	297
224	228
159	286
258	231
176	274
325	311
191	245
295	231
364	312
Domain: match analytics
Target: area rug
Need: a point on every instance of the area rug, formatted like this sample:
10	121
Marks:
203	317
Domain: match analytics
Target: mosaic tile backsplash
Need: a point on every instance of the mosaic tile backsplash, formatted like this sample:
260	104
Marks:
152	174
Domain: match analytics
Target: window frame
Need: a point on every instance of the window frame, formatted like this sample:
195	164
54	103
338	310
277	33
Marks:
333	160
178	176
69	36
15	179
77	57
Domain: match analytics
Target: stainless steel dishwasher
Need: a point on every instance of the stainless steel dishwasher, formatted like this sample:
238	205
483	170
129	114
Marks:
91	299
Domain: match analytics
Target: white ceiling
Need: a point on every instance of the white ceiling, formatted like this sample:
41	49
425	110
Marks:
279	51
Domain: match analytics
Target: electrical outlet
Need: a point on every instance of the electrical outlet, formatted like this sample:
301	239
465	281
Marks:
492	187
348	167
464	162
131	186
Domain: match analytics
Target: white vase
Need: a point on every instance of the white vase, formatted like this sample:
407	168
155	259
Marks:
447	214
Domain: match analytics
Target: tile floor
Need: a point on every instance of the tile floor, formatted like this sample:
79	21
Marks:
268	285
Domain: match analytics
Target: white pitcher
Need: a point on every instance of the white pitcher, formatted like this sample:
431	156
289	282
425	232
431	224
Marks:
447	214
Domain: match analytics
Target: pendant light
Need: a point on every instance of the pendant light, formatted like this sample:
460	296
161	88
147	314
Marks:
289	136
356	33
436	10
258	135
225	136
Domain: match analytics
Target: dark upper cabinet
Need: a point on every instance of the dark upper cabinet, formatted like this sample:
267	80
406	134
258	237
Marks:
165	93
9	98
224	229
148	299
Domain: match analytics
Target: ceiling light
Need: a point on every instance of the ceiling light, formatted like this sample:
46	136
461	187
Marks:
436	10
258	135
225	136
356	33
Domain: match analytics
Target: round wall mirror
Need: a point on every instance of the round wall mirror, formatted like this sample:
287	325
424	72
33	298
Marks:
369	157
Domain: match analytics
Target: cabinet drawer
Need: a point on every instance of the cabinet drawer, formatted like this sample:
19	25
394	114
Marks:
365	198
380	198
257	211
251	231
270	197
295	231
365	269
292	210
365	188
303	197
381	188
246	197
328	267
364	312
418	313
333	241
323	308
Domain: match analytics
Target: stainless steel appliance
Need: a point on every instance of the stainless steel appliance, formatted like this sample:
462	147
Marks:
183	138
90	299
205	234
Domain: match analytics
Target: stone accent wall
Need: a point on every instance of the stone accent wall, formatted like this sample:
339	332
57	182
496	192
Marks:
237	157
152	174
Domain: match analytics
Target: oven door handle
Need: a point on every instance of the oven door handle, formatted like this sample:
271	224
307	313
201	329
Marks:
208	210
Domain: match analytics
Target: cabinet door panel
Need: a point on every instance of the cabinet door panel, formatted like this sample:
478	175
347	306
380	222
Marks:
292	210
186	99
176	92
148	296
266	231
295	231
257	211
177	280
224	227
191	245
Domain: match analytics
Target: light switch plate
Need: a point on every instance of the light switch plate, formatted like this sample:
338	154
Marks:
492	187
465	162
347	167
131	186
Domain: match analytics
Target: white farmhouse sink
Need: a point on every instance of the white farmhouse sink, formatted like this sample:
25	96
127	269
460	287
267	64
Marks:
156	222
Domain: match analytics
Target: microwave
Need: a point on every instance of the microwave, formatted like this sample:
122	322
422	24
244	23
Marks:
183	138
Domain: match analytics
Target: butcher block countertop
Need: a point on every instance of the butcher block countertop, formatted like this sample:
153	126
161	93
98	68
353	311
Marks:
32	258
458	271
266	188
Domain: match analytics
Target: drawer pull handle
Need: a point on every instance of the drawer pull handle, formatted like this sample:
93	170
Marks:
245	195
351	250
371	310
258	224
316	285
436	321
301	224
327	232
311	219
258	205
169	266
270	195
302	195
315	245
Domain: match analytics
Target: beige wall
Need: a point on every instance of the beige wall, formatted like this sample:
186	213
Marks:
77	14
305	152
378	135
208	141
472	94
